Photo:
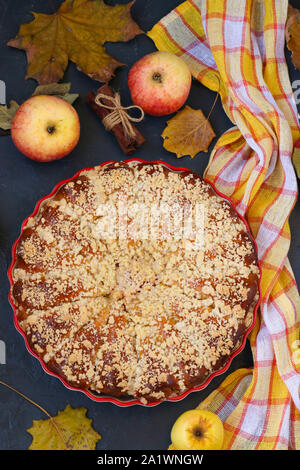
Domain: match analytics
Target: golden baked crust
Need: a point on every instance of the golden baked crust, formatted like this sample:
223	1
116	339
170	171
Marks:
142	316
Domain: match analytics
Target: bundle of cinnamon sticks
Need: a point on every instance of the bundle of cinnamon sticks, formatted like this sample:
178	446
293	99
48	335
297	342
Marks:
128	144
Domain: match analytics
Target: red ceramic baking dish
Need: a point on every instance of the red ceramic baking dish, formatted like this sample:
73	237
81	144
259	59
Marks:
104	398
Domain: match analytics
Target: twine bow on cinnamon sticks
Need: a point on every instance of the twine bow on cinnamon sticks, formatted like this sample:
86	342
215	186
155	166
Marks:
116	117
119	114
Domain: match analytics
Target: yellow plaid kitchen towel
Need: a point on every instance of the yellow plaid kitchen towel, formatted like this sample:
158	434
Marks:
240	44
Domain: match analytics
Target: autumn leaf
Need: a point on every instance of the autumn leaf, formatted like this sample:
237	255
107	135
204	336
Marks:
7	114
188	133
77	31
60	90
296	158
292	34
69	430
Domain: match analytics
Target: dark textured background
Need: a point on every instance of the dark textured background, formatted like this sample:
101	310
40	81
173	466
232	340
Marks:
23	182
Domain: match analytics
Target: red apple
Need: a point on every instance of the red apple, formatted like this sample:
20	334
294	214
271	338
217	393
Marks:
45	128
159	83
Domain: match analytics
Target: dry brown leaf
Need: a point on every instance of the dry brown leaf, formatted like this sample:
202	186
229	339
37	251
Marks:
292	34
61	90
76	32
7	114
188	133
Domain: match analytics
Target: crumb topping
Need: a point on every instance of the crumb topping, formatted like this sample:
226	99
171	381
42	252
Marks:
145	316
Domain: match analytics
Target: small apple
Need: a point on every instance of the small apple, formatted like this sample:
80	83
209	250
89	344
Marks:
159	83
45	128
197	430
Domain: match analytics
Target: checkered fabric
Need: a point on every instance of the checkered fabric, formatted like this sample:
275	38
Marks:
237	47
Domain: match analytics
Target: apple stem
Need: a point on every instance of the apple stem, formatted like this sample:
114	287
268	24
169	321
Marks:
50	129
157	77
198	432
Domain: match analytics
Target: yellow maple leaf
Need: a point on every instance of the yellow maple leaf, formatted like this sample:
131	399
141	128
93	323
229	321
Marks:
296	158
292	34
76	32
69	430
188	133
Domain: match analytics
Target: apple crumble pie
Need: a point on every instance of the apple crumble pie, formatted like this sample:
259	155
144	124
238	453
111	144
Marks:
128	305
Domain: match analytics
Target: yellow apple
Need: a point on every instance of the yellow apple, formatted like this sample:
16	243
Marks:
45	128
197	430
